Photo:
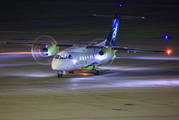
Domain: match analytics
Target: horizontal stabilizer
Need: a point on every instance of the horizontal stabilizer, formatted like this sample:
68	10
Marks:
120	16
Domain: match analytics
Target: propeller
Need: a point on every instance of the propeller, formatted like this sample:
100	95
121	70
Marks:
102	54
43	49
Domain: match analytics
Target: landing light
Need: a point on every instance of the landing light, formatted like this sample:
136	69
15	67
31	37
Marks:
74	61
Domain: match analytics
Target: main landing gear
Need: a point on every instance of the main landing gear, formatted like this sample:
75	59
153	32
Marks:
96	72
71	71
60	73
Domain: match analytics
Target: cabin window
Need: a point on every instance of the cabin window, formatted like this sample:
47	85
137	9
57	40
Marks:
70	57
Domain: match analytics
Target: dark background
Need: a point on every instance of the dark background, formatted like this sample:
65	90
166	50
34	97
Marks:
57	16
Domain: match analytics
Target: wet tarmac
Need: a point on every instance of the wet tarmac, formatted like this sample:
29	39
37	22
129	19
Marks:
135	86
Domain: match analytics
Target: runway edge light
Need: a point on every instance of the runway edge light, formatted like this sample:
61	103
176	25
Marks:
169	52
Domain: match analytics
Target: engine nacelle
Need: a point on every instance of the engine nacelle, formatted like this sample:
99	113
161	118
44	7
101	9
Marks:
50	50
43	49
101	52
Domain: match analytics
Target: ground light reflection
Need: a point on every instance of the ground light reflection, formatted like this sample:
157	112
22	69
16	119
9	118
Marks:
31	75
122	83
40	75
84	74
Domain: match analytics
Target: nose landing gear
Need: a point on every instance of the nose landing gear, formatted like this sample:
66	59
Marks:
60	74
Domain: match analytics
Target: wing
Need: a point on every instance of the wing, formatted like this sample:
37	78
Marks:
126	48
135	49
91	46
64	45
38	44
26	44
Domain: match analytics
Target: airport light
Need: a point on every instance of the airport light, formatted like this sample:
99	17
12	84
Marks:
120	5
169	52
166	37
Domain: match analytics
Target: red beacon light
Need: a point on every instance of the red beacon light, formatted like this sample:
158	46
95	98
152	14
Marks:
169	52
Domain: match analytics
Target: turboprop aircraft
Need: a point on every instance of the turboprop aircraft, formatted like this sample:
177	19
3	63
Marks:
84	57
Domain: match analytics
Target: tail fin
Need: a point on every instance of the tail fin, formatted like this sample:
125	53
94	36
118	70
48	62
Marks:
112	37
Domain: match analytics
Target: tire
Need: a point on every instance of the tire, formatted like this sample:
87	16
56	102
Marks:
97	72
58	75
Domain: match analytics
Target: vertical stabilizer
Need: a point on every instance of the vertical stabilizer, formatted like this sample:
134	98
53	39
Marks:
112	37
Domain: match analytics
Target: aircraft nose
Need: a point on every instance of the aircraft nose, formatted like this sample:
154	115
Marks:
55	64
60	65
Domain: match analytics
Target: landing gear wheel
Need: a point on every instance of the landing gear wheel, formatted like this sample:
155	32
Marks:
96	72
71	71
60	75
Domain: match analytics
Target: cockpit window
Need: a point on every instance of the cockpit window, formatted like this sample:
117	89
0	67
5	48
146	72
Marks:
57	56
63	57
70	57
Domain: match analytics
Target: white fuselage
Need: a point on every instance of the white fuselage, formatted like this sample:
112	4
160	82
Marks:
77	56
